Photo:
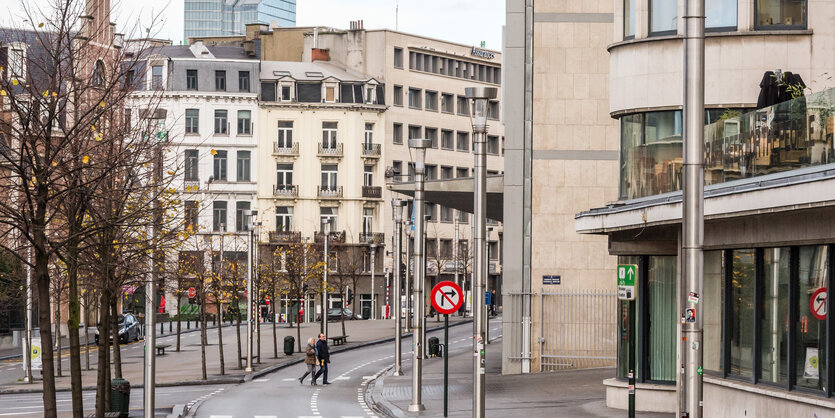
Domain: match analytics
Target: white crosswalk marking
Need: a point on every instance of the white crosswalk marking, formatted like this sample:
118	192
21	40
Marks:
262	380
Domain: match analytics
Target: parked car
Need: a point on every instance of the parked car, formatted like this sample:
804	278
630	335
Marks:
128	329
334	315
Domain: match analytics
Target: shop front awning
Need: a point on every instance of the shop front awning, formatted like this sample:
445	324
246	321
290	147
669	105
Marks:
458	194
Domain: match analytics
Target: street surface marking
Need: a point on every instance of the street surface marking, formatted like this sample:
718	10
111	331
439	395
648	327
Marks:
262	380
289	379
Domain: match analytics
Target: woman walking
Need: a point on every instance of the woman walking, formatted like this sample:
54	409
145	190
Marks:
310	361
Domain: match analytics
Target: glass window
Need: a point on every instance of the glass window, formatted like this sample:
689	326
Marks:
220	80
431	100
284	175
663	17
328	216
712	297
414	132
397	133
329	135
447	103
243	165
191	171
221	122
463	143
243	81
220	165
661	288
192	121
285	134
492	144
810	332
218	215
329	172
432	135
191	210
463	106
244	122
241	220
267	92
720	14
368	176
414	98
398	57
774	336
446	140
285	93
284	218
17	59
772	14
743	283
191	79
156	77
630	10
398	95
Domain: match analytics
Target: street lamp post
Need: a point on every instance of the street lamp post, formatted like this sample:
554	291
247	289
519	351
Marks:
323	325
408	291
419	333
373	294
397	213
28	370
480	96
250	276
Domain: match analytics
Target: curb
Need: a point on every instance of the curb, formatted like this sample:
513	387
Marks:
382	407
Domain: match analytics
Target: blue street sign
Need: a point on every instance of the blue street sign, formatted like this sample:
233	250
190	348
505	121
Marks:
413	218
487	296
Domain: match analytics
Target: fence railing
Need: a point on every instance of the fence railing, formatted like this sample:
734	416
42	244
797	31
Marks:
577	329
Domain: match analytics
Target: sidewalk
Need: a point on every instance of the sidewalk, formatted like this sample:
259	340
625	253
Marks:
576	393
184	367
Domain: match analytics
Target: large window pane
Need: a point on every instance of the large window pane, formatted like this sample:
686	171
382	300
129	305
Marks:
629	13
811	331
627	327
720	13
774	336
631	137
661	288
663	16
712	298
742	319
786	13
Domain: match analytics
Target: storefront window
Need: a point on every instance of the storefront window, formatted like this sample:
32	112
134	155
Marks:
663	17
774	337
712	298
720	14
743	283
661	288
626	328
776	14
810	331
629	12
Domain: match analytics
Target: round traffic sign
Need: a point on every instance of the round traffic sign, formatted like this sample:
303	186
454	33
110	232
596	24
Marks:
817	304
191	292
447	297
267	301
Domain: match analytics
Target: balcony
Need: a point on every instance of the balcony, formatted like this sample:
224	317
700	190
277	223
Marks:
191	186
372	238
335	237
371	150
372	192
329	192
335	152
286	191
291	151
285	236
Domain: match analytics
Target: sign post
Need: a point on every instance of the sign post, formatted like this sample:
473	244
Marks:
447	298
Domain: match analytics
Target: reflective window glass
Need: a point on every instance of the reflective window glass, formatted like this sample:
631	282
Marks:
742	315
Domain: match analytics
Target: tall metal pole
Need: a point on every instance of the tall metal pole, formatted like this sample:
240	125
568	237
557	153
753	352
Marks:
693	196
480	95
455	254
323	326
408	291
28	369
150	338
249	295
397	213
373	293
419	333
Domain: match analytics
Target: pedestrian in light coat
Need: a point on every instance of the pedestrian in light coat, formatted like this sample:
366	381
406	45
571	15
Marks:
310	361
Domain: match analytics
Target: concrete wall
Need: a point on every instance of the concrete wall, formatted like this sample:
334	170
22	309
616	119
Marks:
728	398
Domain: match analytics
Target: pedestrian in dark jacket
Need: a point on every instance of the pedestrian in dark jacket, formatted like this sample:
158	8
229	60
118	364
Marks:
310	361
323	357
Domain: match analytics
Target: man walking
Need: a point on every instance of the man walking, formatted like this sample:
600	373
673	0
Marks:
310	362
324	358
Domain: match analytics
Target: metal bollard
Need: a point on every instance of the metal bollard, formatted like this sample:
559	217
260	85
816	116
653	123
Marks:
631	394
188	323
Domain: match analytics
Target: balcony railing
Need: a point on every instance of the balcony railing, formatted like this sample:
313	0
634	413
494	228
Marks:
337	237
191	186
372	238
330	192
372	192
371	150
286	191
285	236
330	151
292	150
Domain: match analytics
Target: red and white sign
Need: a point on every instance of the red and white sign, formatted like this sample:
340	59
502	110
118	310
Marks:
817	304
191	292
447	297
161	304
267	300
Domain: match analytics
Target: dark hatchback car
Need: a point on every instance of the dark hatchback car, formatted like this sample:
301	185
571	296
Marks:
128	329
334	315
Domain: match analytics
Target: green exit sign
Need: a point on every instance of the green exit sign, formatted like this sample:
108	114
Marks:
627	278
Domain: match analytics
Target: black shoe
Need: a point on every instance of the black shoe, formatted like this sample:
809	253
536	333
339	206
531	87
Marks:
313	383
326	383
301	380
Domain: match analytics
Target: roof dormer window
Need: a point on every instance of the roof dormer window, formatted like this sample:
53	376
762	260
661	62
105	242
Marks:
17	60
285	91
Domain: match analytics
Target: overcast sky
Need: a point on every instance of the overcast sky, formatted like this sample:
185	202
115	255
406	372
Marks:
464	21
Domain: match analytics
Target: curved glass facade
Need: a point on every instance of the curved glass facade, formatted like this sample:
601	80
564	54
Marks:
787	136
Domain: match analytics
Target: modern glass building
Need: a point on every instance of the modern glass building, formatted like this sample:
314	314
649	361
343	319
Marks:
228	17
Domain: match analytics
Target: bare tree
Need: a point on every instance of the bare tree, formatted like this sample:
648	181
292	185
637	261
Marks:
302	267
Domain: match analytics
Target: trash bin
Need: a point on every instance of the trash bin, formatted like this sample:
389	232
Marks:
289	342
434	347
120	397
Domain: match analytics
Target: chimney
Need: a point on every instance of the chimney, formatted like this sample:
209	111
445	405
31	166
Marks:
318	54
316	37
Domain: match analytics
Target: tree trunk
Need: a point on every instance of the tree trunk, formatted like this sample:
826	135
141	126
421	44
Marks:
59	370
275	337
299	333
179	320
203	334
343	323
48	365
73	327
220	335
103	371
114	327
238	330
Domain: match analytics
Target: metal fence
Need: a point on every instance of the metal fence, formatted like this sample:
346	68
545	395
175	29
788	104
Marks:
577	329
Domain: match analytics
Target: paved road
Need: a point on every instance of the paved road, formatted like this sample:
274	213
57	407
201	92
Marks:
280	394
31	404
